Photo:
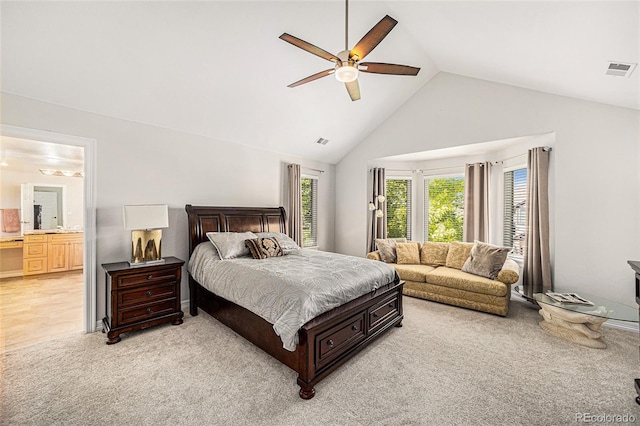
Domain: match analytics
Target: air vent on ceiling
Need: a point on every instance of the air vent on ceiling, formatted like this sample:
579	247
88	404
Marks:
620	69
322	141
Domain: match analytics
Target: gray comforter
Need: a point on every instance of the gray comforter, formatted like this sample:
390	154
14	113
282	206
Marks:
288	291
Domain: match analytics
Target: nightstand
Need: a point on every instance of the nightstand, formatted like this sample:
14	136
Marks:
141	296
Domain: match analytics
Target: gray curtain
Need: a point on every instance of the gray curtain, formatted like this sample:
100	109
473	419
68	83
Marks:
377	225
295	204
476	202
536	274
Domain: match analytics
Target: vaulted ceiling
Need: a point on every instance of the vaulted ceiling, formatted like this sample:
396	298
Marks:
218	69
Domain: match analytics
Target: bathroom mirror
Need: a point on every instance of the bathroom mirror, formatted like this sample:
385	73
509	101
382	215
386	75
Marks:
42	206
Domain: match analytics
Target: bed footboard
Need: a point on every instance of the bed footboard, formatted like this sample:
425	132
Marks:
325	343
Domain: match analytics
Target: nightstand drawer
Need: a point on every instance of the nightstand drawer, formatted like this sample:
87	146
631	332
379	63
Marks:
130	280
144	312
146	294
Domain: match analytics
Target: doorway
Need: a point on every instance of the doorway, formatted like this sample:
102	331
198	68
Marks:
54	207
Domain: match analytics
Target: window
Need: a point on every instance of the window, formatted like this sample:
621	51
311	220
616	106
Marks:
309	189
444	208
515	210
399	208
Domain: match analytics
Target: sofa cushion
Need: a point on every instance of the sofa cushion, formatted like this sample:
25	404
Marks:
458	254
387	248
413	272
433	253
454	278
486	260
408	253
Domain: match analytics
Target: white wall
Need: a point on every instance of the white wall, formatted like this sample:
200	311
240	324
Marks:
596	155
138	164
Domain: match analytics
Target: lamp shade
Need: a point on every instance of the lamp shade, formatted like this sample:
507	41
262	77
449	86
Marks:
147	216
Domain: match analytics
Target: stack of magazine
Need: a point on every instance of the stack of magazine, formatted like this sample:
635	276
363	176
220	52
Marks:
568	298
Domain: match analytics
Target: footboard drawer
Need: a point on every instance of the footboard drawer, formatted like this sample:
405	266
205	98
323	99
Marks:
380	312
335	341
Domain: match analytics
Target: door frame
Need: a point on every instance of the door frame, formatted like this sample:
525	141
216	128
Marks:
90	187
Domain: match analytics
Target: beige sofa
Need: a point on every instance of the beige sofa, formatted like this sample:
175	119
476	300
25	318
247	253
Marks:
437	276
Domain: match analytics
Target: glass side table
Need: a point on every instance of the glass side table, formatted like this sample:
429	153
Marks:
579	323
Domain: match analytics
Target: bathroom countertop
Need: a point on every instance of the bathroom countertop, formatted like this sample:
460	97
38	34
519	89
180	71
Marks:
53	231
10	238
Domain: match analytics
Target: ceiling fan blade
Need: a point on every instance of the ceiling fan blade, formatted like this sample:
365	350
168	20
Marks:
373	38
354	89
313	77
382	68
309	47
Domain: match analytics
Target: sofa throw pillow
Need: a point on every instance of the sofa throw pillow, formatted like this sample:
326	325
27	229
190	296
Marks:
230	244
287	244
486	260
434	254
387	248
458	254
408	253
262	248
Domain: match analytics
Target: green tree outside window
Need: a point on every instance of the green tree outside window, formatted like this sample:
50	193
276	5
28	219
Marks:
445	206
398	208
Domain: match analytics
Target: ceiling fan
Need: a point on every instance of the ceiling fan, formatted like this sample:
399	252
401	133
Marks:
348	62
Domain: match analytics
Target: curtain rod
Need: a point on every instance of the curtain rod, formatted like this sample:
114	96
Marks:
545	148
313	170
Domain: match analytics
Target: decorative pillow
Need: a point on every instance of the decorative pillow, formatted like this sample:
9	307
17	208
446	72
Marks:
287	244
387	248
434	254
261	248
230	244
486	260
408	253
458	254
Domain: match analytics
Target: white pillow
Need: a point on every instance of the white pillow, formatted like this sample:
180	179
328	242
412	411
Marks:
287	244
231	244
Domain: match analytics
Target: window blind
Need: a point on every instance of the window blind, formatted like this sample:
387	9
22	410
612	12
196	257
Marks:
309	187
398	201
515	210
444	208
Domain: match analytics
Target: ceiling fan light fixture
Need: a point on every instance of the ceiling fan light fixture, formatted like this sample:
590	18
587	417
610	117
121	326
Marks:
346	73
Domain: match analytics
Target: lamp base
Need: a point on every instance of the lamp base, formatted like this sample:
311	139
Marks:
146	247
145	263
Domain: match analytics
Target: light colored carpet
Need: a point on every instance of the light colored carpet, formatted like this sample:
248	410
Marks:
446	366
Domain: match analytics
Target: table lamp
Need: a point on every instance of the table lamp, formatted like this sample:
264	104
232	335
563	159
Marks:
144	222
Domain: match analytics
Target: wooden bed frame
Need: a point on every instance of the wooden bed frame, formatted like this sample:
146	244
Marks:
325	342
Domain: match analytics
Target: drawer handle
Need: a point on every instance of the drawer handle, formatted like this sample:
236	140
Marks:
149	310
354	327
375	315
149	277
330	343
391	305
149	293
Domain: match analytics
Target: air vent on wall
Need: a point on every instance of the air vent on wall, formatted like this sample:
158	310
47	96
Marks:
620	69
322	141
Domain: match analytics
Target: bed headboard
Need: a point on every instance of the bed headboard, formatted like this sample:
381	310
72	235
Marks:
203	219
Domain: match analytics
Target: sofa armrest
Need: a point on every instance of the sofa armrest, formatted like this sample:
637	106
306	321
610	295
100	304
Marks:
374	255
510	272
